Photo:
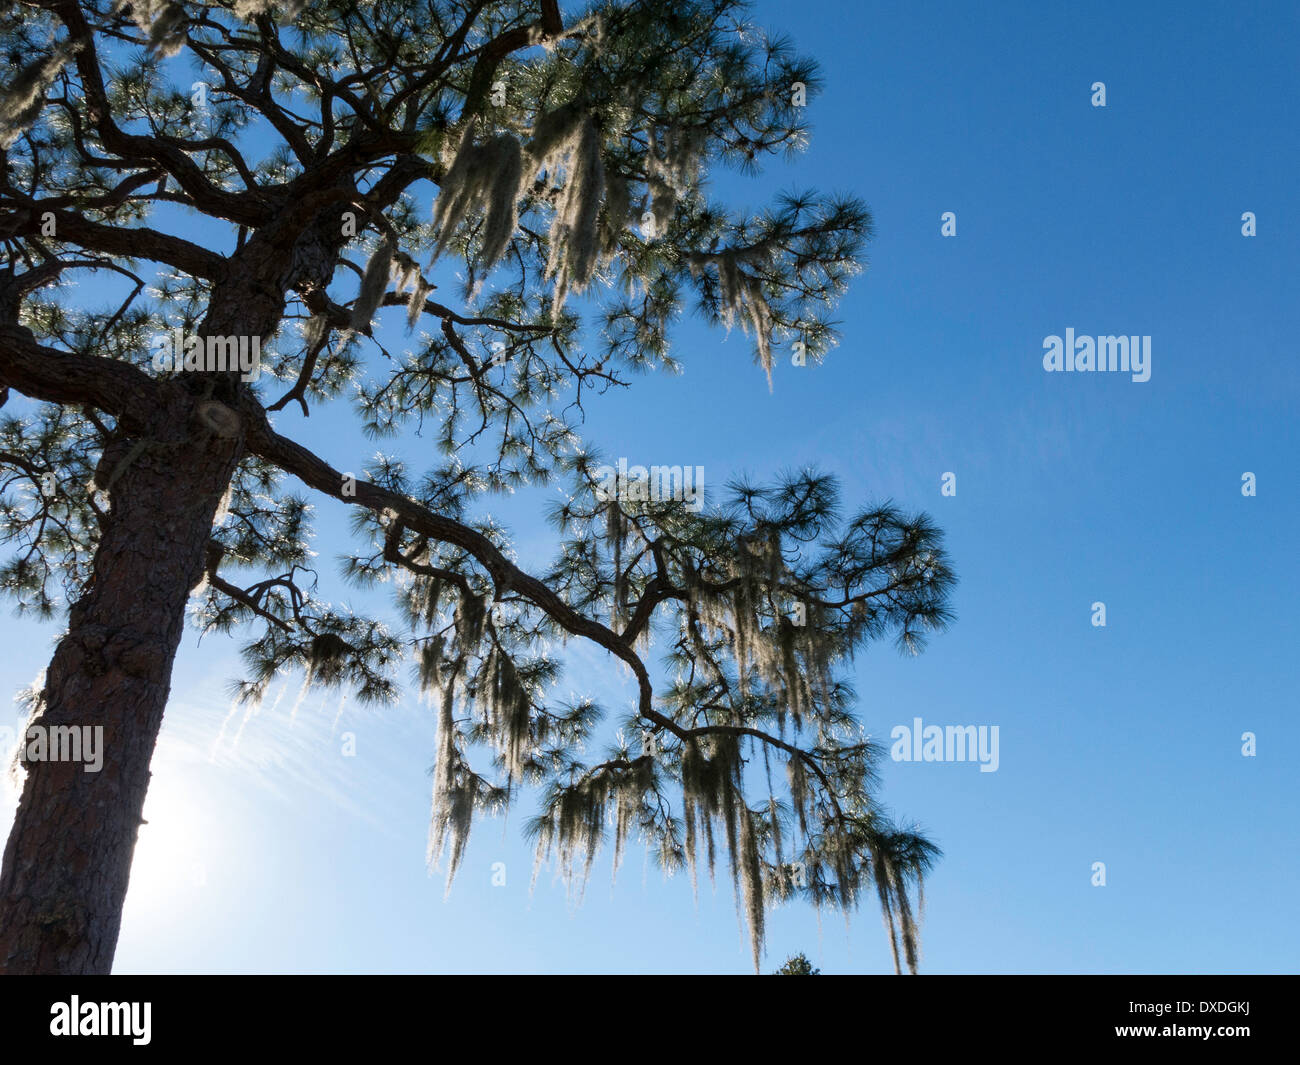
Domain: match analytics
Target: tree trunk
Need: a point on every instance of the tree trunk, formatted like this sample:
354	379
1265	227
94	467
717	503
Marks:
68	858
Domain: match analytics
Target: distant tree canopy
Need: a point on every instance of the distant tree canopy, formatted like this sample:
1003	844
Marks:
288	174
797	965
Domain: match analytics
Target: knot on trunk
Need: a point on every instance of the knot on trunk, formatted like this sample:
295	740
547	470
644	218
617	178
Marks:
218	418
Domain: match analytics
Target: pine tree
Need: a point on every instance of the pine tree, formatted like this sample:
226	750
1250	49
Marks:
798	965
344	147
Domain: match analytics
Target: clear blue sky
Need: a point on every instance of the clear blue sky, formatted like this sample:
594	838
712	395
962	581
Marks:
1119	744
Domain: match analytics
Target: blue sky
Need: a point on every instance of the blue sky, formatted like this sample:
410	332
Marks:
1119	744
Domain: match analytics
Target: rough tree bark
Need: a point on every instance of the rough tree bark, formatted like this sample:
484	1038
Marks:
68	859
69	853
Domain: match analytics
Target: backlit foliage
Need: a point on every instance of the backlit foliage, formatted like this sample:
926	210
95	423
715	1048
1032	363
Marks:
521	196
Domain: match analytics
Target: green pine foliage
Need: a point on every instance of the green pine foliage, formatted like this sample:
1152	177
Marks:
797	965
560	161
